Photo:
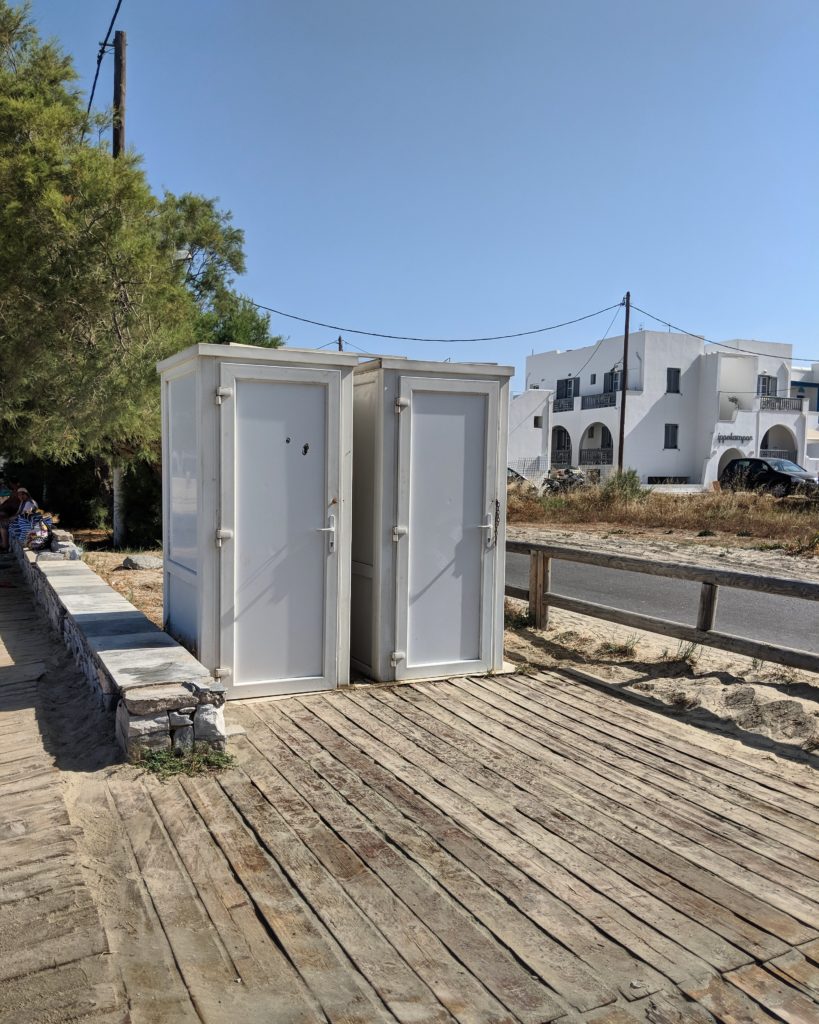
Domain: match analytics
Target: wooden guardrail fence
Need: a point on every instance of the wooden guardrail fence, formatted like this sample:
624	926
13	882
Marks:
541	597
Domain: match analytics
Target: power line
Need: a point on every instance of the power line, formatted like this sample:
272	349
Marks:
100	55
599	343
440	341
721	344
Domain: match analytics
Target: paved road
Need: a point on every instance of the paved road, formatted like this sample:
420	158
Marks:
766	617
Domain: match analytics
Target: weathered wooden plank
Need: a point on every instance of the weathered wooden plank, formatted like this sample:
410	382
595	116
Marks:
368	786
795	969
472	778
203	961
647	715
259	961
670	775
605	715
695	892
560	969
806	660
523	995
407	997
775	995
686	817
498	829
456	988
344	995
635	804
727	1003
763	583
74	991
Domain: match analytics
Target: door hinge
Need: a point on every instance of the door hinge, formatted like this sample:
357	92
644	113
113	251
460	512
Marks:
223	393
223	535
398	532
396	657
401	403
221	673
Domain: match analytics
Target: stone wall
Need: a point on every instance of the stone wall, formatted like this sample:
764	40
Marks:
164	698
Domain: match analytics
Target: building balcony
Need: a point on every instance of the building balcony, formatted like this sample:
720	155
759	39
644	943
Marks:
775	403
777	453
607	399
561	457
563	405
596	456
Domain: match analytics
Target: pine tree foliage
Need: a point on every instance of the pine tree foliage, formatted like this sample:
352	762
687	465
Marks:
99	278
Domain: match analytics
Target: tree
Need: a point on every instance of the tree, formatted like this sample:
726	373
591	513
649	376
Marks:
92	288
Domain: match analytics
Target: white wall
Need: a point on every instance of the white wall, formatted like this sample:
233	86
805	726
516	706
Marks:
709	376
526	441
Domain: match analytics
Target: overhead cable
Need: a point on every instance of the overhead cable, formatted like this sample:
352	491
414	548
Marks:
100	55
721	344
440	341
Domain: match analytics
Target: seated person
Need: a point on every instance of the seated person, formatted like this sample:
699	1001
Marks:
8	510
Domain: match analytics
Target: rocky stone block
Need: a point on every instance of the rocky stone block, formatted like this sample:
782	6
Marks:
182	739
136	726
142	562
209	724
151	700
180	719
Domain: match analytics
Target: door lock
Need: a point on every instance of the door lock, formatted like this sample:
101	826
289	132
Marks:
331	529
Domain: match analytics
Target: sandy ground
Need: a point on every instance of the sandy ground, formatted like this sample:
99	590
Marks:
142	587
725	691
719	690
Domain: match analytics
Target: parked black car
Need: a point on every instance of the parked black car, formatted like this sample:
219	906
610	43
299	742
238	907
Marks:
778	476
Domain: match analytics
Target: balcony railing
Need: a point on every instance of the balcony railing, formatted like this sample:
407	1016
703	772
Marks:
563	405
596	456
608	398
773	403
561	457
777	453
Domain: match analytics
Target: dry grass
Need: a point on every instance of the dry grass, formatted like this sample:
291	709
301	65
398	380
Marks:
790	524
142	587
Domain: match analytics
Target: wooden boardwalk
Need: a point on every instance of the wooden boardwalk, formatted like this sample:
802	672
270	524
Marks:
54	962
510	849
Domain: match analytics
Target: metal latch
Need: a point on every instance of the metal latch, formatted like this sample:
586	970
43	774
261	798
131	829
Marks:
397	656
223	535
223	393
331	529
398	532
401	403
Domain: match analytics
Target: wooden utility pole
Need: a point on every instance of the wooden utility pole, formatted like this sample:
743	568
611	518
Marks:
624	388
340	343
119	93
117	473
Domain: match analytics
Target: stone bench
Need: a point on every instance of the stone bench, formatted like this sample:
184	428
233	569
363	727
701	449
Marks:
164	698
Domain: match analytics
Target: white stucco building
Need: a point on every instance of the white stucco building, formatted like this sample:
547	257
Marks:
691	406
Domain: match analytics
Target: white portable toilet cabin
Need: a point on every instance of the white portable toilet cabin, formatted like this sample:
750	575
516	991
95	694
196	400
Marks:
257	476
429	518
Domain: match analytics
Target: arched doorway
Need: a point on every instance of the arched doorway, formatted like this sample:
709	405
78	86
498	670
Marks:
726	457
779	442
596	446
561	448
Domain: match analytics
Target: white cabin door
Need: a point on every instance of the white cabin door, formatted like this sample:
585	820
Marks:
279	584
447	521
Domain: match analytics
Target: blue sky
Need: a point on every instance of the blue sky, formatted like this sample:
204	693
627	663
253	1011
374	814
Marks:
471	167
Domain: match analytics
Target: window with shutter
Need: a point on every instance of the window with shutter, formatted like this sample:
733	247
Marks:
671	430
672	381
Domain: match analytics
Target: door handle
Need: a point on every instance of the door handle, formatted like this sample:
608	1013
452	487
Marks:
331	529
488	526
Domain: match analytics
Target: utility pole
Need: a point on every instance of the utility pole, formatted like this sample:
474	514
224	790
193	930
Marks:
118	516
340	343
119	93
624	387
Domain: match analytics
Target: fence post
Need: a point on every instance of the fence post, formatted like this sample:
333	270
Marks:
708	606
540	583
